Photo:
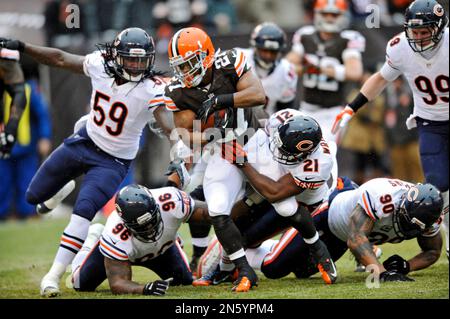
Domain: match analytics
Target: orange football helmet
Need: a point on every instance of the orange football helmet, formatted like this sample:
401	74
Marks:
331	15
191	53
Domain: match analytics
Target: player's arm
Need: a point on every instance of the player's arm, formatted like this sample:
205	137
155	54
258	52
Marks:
360	227
351	70
165	120
370	90
431	251
119	278
46	55
14	84
296	59
273	191
250	91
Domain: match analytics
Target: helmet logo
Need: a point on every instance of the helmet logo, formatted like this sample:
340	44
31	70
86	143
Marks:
438	10
412	194
119	211
304	146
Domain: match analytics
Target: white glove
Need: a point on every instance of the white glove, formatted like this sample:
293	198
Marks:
342	119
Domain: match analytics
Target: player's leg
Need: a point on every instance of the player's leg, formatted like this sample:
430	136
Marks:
300	218
199	233
99	185
433	145
88	268
173	263
7	186
223	183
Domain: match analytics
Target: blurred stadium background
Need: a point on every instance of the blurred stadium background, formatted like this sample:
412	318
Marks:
229	22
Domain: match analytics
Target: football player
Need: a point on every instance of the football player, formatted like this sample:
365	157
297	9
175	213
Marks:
288	165
327	55
126	93
13	82
277	75
380	211
421	55
219	89
142	231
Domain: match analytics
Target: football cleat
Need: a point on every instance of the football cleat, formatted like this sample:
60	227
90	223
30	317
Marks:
215	277
325	263
50	286
246	280
50	204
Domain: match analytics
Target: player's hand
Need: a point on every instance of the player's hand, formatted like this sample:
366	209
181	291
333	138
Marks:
179	166
7	140
342	119
157	287
234	153
397	263
208	107
390	275
12	44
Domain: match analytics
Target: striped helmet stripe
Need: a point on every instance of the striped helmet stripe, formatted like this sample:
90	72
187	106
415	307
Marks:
175	43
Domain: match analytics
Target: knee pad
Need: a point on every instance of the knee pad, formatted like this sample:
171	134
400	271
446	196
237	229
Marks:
286	208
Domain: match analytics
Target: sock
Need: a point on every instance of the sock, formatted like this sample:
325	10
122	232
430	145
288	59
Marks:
199	246
256	256
71	242
312	240
225	263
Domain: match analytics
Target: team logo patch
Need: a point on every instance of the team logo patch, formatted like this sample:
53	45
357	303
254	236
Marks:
438	10
304	146
412	194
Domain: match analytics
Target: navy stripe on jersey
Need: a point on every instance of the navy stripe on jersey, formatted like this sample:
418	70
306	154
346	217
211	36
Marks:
112	246
374	211
69	248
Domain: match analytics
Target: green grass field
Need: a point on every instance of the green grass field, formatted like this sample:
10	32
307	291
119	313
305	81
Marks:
27	250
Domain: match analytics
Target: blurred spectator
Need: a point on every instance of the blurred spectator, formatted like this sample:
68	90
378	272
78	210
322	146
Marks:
365	139
33	145
221	16
403	143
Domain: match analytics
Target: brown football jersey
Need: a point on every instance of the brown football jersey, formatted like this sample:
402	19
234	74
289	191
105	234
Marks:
228	68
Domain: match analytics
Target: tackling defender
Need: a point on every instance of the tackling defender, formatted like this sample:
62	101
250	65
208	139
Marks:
421	54
142	231
126	94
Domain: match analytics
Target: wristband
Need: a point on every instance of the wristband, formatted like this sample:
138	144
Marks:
225	100
358	102
339	72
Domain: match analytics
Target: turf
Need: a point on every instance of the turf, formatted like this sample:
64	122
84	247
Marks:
27	250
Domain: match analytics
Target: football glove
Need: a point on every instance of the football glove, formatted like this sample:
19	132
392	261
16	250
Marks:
12	44
7	140
178	166
157	287
234	153
390	275
397	263
342	119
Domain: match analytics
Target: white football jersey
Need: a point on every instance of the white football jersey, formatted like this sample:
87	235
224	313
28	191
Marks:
428	79
280	85
119	113
118	243
379	198
311	174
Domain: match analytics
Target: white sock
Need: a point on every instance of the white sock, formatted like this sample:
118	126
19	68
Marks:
311	241
71	242
200	242
255	256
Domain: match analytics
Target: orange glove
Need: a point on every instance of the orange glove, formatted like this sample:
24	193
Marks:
342	119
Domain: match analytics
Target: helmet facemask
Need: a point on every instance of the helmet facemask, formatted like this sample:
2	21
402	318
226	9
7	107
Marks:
324	24
423	44
190	69
404	225
134	64
147	227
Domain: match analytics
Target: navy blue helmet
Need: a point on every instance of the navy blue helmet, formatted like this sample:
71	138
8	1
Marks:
268	36
140	213
295	139
427	14
420	208
131	55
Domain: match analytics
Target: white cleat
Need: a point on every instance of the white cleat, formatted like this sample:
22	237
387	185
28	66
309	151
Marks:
50	286
51	203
